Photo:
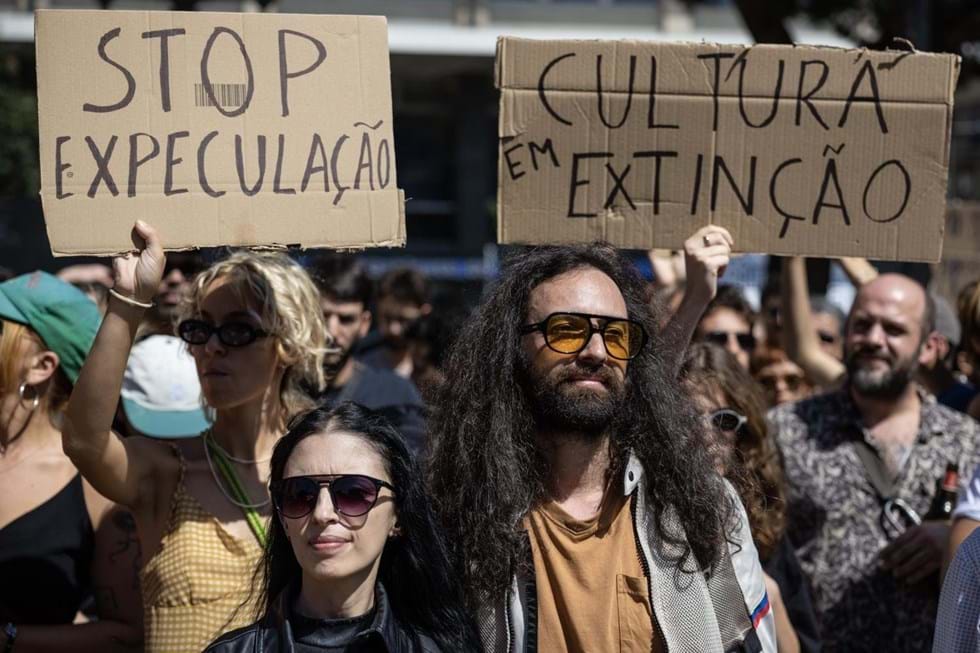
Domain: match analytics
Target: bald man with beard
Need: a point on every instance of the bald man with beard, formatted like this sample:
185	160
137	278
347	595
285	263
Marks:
862	464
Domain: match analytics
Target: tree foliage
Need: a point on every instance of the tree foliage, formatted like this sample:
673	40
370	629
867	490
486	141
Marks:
19	168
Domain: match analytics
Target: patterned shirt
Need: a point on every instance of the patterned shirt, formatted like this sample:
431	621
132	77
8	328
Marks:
959	605
199	584
835	516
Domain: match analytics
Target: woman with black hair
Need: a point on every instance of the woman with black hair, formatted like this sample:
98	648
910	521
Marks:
354	560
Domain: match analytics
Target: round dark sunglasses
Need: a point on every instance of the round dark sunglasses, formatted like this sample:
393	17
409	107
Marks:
230	334
353	495
570	333
727	420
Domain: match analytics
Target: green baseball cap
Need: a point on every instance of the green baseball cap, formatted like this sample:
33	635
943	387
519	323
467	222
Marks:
61	314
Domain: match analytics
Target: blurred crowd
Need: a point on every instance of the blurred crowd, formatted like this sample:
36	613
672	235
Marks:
245	450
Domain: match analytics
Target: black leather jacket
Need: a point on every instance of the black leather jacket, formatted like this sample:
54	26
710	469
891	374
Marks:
273	633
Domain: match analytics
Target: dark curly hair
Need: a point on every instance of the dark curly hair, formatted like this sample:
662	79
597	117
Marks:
485	470
758	471
415	568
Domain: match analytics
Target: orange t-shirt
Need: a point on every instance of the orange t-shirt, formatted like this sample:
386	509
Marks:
591	589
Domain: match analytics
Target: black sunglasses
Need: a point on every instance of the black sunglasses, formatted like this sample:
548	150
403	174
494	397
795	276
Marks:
746	341
727	420
231	334
570	333
353	495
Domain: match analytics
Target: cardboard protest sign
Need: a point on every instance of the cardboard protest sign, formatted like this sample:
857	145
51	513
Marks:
795	150
217	128
962	242
961	251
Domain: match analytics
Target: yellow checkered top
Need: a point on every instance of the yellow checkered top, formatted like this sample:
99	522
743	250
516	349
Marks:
197	585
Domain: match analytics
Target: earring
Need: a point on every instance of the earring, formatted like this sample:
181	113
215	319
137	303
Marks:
37	397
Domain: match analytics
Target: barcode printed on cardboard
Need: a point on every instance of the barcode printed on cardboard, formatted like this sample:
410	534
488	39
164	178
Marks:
226	95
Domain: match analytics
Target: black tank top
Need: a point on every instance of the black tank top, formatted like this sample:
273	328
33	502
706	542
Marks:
45	557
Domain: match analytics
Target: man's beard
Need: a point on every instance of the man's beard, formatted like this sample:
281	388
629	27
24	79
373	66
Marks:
334	362
879	384
560	406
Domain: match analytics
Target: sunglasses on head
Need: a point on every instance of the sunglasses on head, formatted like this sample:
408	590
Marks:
727	420
570	333
230	334
353	495
746	341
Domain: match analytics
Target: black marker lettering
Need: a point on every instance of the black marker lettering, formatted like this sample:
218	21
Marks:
629	92
775	95
285	75
240	164
717	57
576	182
334	158
168	176
772	196
384	149
130	81
135	162
541	85
60	167
696	193
801	98
316	148
866	70
545	148
747	201
512	165
657	156
206	79
618	187
201	175
102	162
164	36
651	109
277	179
363	164
905	199
830	174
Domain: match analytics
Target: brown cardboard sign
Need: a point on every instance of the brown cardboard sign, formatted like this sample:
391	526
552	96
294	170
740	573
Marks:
216	128
961	250
962	242
795	150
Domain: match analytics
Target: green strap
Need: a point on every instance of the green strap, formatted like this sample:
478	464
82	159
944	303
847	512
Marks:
251	514
231	478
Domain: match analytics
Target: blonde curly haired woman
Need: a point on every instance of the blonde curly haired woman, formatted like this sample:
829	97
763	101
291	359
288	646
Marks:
253	325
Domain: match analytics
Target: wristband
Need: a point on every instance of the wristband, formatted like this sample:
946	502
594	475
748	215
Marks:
10	630
129	300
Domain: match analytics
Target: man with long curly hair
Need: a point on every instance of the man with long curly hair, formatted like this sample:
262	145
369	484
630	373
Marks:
574	476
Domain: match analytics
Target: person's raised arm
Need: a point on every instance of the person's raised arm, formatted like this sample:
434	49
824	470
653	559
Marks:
666	271
706	255
119	469
799	337
858	270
